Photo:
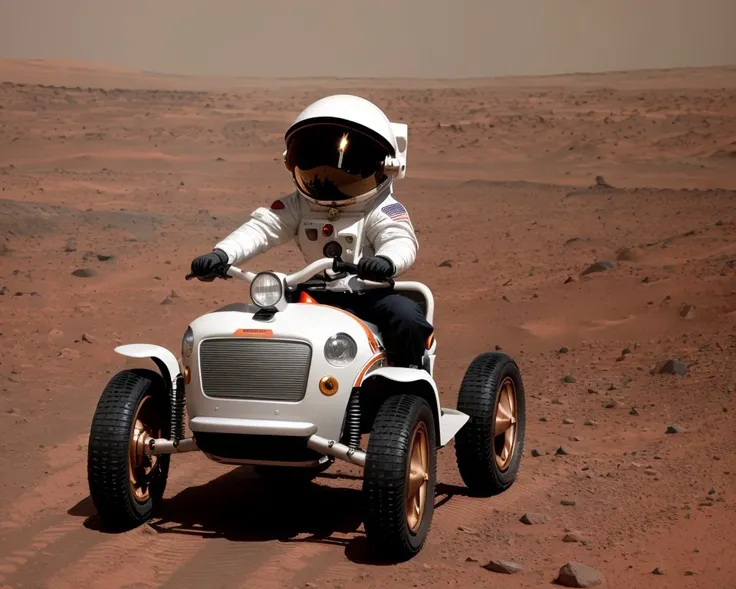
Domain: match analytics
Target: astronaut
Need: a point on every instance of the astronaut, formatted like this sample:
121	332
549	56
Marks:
343	154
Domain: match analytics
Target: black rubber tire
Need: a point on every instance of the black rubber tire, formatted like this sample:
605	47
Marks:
385	477
474	442
109	439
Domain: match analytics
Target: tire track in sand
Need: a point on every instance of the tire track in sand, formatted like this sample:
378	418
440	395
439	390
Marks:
65	553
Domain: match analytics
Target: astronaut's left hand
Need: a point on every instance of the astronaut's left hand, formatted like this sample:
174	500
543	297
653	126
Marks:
376	268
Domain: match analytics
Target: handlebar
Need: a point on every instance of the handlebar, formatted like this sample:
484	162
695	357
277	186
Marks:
334	264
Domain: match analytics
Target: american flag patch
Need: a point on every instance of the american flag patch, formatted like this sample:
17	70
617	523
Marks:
396	211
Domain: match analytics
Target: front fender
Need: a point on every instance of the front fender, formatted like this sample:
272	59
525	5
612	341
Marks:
164	359
448	421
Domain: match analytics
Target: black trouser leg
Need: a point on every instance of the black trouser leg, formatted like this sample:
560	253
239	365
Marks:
402	324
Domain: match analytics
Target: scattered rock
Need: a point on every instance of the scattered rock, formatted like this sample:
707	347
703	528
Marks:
630	254
471	559
56	333
445	264
569	279
634	412
84	273
557	401
687	311
167	301
592	391
601	181
567	502
14	377
536	452
568	421
598	267
572	537
576	574
562	451
69	354
569	379
670	367
105	258
563	350
625	351
689	573
533	519
71	245
675	429
505	567
590	422
90	339
612	404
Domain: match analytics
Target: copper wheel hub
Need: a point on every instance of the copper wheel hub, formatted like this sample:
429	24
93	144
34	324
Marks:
141	467
417	476
504	423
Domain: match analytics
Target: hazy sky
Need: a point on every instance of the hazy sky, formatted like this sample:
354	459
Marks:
416	38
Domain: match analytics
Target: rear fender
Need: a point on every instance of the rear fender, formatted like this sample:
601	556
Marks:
163	358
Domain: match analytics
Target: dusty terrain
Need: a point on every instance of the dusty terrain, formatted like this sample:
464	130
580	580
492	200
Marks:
130	184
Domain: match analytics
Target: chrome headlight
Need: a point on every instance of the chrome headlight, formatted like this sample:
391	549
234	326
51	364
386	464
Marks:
187	343
266	290
340	349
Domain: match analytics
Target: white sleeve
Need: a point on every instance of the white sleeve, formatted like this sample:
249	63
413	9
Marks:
391	233
266	228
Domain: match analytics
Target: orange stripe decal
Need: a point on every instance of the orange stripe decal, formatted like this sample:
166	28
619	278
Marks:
377	358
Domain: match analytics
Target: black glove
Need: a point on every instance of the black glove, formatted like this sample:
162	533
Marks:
376	268
207	266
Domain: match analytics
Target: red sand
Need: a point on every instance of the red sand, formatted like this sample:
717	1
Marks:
136	174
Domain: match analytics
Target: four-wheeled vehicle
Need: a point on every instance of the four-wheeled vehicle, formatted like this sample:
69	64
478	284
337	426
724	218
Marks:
288	385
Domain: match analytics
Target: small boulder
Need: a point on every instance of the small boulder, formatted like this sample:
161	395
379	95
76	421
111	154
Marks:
71	245
630	254
84	273
670	367
576	574
69	354
572	536
687	311
505	567
533	519
675	429
598	267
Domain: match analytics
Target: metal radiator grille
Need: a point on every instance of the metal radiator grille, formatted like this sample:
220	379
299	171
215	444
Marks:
256	369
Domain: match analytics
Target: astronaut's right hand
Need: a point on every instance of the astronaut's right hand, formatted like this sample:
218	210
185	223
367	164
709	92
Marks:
208	266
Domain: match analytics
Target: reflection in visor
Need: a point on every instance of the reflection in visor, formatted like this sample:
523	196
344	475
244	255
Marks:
331	163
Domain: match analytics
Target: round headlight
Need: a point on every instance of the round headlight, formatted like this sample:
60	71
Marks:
266	290
187	343
340	349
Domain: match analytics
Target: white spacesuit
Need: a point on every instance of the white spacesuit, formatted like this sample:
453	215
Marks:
343	153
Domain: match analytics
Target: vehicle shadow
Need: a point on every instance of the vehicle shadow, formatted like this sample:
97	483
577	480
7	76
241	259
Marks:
240	507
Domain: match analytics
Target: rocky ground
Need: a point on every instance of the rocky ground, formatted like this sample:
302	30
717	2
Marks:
585	225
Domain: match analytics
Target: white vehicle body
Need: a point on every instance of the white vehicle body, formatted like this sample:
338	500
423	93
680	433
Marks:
253	377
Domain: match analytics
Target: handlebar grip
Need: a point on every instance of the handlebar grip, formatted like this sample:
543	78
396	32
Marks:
340	266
